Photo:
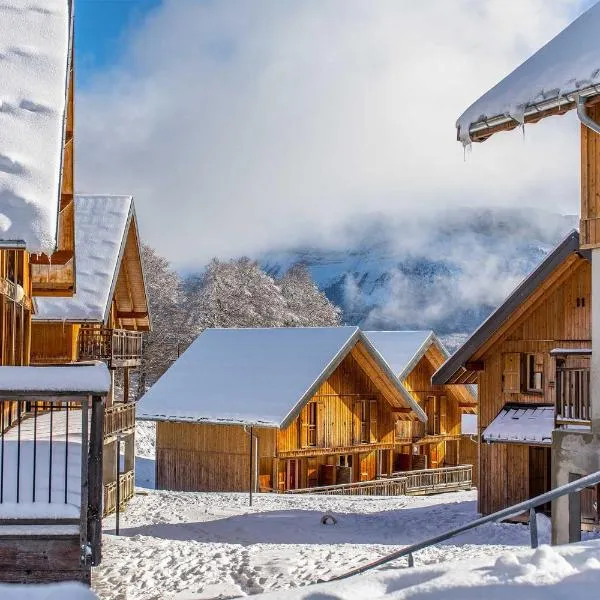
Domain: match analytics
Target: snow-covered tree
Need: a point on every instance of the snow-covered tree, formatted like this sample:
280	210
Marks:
235	293
307	304
167	338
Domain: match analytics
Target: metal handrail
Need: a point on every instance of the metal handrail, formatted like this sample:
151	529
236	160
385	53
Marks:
497	517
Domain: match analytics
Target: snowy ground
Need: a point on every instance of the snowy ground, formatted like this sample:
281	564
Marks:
193	545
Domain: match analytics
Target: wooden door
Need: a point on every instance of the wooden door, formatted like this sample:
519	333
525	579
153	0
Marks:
293	475
539	472
434	458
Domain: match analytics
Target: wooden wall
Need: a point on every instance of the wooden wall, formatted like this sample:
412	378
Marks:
451	399
557	319
53	342
205	457
339	423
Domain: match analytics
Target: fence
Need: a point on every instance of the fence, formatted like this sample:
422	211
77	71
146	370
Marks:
127	483
398	484
572	386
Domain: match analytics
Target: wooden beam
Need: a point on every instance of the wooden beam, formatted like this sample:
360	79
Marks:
131	315
61	257
475	365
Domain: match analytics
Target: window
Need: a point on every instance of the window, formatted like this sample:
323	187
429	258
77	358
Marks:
535	373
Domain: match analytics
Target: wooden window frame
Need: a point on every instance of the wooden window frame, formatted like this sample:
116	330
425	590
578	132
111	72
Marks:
535	369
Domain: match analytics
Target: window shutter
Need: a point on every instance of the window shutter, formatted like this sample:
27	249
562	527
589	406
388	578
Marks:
356	414
321	424
443	400
303	426
511	374
373	421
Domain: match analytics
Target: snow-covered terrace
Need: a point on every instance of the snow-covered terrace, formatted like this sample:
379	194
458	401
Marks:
41	452
35	39
549	82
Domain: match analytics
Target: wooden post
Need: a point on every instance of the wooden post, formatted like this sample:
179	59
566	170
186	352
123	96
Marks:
251	461
118	490
83	526
95	486
126	384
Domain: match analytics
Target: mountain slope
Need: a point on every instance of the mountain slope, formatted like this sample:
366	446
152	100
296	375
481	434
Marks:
446	272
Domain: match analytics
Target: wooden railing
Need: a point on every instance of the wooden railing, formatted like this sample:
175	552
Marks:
428	481
119	347
119	418
127	484
409	431
573	389
14	292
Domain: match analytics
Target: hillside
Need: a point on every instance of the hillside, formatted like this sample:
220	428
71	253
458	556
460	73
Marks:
446	272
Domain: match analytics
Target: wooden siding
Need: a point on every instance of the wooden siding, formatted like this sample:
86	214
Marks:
444	406
205	457
558	318
54	343
590	183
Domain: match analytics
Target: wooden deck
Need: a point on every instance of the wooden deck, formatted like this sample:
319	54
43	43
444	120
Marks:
407	483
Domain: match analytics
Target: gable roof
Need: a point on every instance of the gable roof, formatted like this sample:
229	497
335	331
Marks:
255	376
402	350
546	83
35	40
456	363
101	228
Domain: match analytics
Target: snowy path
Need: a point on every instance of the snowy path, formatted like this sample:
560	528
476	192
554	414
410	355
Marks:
193	545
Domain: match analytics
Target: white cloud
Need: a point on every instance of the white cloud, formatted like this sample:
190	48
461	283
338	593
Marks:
240	126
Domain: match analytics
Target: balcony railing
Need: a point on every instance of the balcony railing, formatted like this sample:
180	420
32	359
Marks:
14	292
572	387
409	431
118	347
119	418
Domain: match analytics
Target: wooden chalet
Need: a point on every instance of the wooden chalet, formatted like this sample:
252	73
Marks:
514	358
414	356
103	321
562	76
50	417
320	404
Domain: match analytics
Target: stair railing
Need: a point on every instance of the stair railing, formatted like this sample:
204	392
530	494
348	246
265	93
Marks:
497	517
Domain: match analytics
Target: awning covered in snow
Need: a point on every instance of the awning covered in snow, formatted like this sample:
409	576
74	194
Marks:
73	380
522	424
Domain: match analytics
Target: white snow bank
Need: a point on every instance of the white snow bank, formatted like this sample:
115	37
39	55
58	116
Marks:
54	591
567	572
34	49
100	235
78	379
568	63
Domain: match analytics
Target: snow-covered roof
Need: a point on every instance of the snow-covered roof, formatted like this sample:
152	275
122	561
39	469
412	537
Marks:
101	224
253	376
35	38
82	379
522	424
403	349
567	65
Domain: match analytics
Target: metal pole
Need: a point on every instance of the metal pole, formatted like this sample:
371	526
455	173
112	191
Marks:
533	531
251	461
118	507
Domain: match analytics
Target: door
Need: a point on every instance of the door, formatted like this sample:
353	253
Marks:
539	473
293	475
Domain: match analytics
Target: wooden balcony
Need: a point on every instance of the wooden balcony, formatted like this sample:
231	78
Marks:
409	431
117	347
118	419
572	388
15	293
126	491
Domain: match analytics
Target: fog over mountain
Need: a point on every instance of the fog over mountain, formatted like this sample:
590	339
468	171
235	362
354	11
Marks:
445	271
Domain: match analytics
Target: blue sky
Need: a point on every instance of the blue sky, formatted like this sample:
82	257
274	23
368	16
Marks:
100	31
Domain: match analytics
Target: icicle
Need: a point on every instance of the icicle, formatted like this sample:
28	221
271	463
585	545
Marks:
467	149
